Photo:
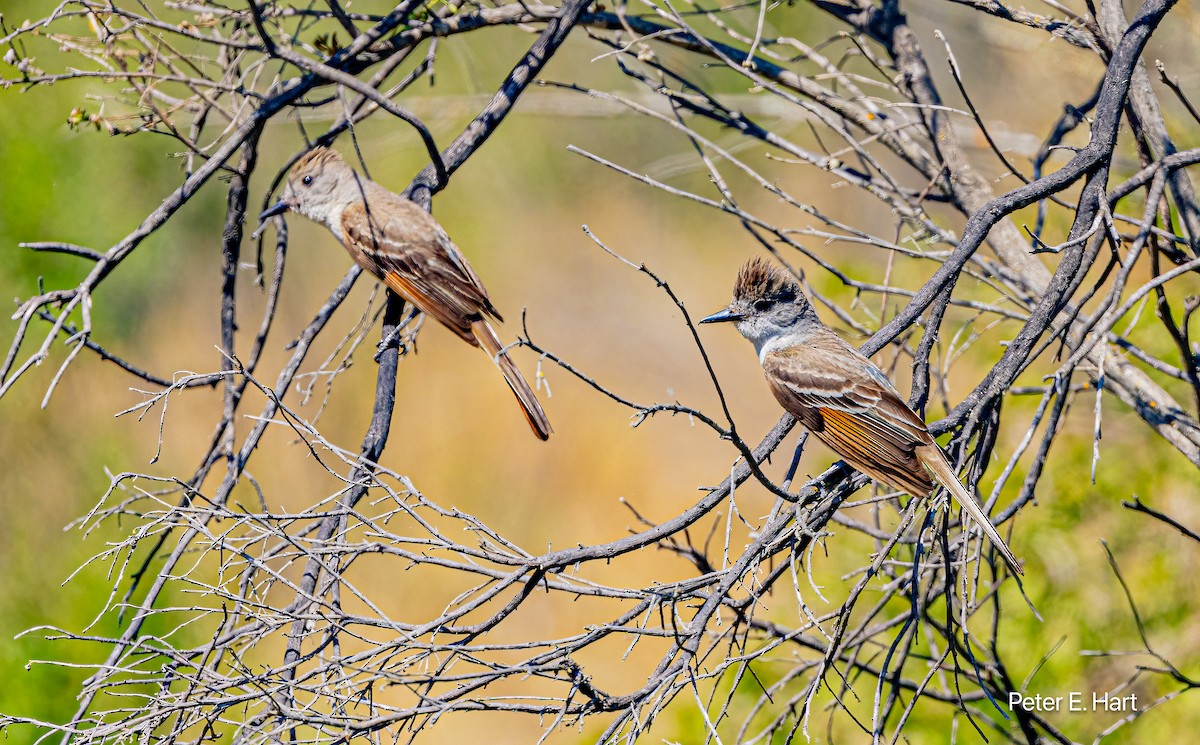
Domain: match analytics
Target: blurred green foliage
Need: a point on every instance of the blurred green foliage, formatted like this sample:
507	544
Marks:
64	183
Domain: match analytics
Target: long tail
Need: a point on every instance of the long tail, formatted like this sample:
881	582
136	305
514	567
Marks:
936	462
487	339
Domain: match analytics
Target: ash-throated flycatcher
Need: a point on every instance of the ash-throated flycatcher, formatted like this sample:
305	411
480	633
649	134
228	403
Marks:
402	245
838	394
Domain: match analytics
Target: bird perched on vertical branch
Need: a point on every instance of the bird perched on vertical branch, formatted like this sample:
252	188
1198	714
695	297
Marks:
404	247
839	395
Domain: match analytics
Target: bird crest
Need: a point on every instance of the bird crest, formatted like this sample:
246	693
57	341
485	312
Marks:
759	279
317	159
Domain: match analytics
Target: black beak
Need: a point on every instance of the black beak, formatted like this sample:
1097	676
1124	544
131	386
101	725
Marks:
722	316
277	209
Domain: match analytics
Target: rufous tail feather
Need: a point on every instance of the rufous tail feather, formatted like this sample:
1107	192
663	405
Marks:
937	464
487	339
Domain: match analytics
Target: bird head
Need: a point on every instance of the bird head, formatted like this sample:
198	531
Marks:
767	303
319	186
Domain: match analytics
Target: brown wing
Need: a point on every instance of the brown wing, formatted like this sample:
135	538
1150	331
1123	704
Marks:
406	248
842	398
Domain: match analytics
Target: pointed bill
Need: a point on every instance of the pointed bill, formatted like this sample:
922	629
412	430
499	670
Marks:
722	316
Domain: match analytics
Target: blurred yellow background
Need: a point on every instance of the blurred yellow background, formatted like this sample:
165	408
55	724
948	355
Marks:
516	209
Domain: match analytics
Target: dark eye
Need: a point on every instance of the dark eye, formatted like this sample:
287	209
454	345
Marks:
763	305
307	180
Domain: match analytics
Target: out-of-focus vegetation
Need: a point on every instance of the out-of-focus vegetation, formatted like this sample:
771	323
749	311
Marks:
516	209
